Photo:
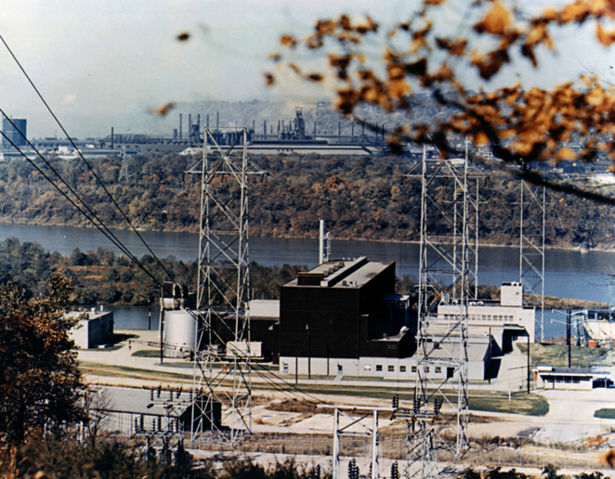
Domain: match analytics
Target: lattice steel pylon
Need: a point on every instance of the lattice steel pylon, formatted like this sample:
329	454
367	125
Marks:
532	246
222	356
448	257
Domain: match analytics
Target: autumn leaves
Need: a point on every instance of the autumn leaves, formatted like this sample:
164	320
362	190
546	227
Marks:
520	122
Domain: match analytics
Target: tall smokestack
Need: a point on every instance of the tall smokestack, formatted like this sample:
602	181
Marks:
180	126
198	121
207	121
112	137
217	120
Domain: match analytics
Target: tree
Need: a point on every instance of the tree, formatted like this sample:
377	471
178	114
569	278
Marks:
40	384
517	123
96	405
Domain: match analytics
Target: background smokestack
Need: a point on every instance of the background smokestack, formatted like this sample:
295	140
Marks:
321	242
180	126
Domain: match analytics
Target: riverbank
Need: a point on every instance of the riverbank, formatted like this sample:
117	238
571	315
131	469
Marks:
312	237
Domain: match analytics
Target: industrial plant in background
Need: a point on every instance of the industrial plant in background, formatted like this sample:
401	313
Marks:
15	130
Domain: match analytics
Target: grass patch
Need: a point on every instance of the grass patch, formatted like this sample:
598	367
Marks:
492	401
557	355
98	369
147	353
519	403
605	413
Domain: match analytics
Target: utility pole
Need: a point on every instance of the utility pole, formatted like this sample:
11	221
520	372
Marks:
568	336
309	345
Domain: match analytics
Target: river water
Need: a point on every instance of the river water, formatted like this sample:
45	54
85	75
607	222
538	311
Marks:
569	274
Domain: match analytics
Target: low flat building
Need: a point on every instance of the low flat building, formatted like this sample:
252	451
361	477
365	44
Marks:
93	328
583	379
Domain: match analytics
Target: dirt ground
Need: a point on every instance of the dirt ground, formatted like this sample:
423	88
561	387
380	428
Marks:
569	436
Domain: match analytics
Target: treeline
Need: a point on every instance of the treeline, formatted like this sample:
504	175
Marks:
361	198
101	276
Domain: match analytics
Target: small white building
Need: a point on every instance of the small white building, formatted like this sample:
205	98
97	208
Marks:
508	316
92	329
584	379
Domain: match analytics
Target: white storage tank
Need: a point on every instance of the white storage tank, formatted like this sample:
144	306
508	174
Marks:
179	329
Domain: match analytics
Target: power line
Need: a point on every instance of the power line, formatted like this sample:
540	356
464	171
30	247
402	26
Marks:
87	212
117	206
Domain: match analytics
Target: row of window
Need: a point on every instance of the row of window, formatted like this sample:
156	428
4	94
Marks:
481	317
390	368
566	379
402	368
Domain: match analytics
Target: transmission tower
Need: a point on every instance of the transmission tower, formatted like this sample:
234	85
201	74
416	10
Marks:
222	356
532	245
448	257
124	173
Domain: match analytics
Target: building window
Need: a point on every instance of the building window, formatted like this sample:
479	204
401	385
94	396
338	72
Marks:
402	369
285	368
413	369
391	368
438	369
426	369
339	369
378	367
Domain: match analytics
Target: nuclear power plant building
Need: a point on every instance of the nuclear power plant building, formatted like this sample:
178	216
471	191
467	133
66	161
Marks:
337	317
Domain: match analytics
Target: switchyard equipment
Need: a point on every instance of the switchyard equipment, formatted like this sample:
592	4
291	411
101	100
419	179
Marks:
448	252
223	287
355	426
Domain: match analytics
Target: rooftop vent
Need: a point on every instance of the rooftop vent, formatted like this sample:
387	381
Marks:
309	279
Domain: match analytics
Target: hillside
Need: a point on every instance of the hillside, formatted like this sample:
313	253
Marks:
361	198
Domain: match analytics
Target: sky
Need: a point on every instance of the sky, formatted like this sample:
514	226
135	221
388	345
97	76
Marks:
109	62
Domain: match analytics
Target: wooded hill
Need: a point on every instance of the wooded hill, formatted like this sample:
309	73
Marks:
361	198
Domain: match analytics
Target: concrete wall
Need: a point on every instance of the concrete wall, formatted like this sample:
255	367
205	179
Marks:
366	367
492	316
93	330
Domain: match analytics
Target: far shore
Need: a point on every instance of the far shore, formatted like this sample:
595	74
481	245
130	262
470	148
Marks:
482	244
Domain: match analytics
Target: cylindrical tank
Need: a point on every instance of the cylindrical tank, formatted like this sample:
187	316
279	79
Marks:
179	329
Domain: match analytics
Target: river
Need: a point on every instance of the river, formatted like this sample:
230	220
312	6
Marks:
569	274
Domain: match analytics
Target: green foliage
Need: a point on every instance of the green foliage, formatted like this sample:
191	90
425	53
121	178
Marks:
605	413
40	384
557	355
103	277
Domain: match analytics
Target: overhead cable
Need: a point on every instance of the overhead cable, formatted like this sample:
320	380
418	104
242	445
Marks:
69	138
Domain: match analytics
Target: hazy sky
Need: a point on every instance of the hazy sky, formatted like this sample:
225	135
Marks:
108	62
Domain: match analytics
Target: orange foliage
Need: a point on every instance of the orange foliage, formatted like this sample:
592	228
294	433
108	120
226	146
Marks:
520	124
